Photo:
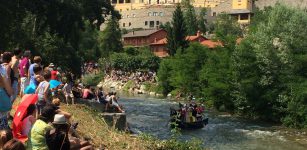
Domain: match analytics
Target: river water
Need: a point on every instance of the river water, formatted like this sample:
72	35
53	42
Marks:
224	132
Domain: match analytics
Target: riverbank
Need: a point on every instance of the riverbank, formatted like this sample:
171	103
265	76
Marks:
129	86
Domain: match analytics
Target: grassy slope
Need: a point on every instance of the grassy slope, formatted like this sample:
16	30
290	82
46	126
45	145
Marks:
91	125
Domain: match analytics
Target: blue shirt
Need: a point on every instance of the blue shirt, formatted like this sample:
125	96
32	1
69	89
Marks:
32	74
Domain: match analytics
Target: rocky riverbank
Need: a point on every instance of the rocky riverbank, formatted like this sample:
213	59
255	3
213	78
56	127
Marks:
130	86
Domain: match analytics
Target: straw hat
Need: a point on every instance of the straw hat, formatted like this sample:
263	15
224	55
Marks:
59	119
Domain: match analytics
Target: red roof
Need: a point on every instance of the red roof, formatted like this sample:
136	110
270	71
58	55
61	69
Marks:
211	44
160	42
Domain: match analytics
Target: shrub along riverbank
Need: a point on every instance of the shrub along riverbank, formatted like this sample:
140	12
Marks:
264	77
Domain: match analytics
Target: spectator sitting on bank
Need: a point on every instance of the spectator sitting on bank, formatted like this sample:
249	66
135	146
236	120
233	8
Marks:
101	96
5	136
28	120
114	102
36	138
59	138
77	91
88	93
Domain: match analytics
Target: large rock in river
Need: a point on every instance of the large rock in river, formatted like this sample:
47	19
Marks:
116	120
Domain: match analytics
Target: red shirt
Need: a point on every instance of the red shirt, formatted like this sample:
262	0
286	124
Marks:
54	75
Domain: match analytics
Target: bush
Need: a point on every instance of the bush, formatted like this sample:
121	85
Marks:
92	79
171	144
128	85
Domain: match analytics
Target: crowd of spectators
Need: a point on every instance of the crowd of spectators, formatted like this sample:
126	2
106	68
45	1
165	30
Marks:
45	125
89	67
138	77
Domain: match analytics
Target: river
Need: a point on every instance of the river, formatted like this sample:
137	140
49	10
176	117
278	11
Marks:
224	132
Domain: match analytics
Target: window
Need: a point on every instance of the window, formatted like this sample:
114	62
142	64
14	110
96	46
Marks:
214	14
124	25
157	23
127	16
133	15
155	14
114	1
244	16
161	14
152	24
146	23
121	1
129	24
120	10
149	14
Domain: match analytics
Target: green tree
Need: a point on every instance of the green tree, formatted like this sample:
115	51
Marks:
202	21
271	62
177	34
227	30
190	20
111	38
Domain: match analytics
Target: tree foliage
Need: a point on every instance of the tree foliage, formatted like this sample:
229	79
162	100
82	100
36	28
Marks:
57	25
263	77
202	21
176	33
190	19
130	60
111	38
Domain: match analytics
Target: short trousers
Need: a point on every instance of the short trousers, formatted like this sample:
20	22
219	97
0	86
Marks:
69	95
115	104
24	82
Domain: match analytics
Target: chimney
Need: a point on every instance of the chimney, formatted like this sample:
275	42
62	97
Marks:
198	33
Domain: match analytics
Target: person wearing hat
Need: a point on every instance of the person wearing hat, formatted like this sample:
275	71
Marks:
58	138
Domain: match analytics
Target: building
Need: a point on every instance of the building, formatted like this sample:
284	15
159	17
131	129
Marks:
242	10
126	5
159	46
150	18
143	37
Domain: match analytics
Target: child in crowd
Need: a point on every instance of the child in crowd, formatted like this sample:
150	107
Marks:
37	75
44	92
28	120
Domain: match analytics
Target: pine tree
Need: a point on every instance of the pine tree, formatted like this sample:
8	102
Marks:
111	38
176	36
190	20
202	21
